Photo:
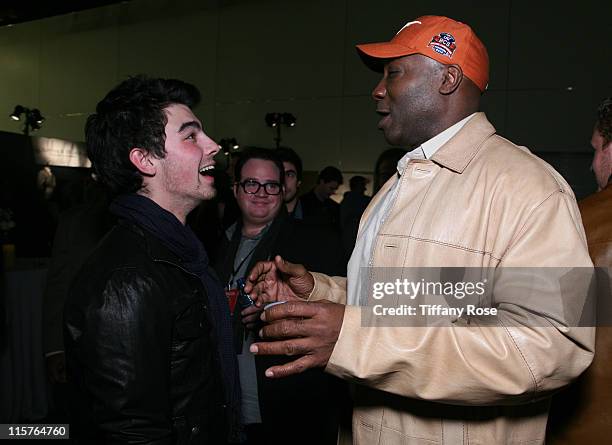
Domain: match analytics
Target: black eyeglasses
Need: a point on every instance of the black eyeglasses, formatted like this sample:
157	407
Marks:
251	187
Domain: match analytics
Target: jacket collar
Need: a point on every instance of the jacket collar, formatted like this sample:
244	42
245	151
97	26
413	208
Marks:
459	151
455	154
154	248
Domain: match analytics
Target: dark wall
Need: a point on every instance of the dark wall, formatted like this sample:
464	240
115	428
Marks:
35	216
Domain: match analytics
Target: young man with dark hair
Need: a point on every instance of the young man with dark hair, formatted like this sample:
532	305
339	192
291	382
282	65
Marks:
146	326
317	206
293	179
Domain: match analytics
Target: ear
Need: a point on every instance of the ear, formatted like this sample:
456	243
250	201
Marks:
453	75
607	151
236	185
142	160
298	184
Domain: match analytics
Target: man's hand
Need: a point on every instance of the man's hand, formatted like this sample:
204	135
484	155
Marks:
278	280
310	330
56	368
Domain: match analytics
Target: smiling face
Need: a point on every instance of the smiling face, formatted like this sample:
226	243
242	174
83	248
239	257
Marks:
602	159
260	208
407	99
182	179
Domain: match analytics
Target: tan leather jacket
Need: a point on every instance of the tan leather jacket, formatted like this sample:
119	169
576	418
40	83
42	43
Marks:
479	201
597	218
583	412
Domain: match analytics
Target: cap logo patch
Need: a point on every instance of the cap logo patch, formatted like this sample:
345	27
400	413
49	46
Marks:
443	43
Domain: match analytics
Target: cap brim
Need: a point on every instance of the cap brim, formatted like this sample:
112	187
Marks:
374	55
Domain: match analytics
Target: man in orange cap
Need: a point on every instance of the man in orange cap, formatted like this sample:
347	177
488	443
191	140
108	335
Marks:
463	197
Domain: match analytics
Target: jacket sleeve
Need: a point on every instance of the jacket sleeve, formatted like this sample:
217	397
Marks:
328	288
533	347
122	345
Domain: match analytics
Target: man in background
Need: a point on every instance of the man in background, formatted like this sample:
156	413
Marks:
352	207
597	208
583	412
317	205
386	166
263	230
293	180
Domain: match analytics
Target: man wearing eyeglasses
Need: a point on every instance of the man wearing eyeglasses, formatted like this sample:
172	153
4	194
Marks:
263	231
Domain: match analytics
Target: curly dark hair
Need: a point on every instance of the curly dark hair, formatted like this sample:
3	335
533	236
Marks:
132	115
604	119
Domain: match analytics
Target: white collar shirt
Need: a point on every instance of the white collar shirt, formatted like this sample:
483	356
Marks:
362	253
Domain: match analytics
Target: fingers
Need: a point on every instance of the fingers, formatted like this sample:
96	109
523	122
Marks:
250	310
263	293
250	319
258	274
287	347
291	309
291	269
284	329
261	284
250	316
258	292
295	367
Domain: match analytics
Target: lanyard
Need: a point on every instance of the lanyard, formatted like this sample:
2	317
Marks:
237	268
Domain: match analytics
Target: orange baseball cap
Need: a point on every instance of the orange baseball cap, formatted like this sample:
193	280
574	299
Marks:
440	38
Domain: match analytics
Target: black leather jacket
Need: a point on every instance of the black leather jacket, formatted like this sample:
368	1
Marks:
140	350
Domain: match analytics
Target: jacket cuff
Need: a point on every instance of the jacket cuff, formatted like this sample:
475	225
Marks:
346	349
320	290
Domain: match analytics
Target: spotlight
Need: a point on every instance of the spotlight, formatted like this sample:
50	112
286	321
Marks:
33	118
37	117
276	119
16	114
273	119
227	145
288	119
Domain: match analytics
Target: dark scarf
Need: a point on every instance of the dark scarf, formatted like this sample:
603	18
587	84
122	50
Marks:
181	241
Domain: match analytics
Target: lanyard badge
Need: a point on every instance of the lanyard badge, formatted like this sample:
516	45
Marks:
238	296
244	299
232	297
